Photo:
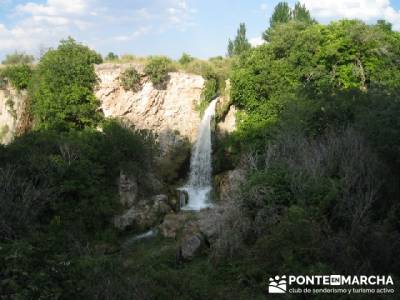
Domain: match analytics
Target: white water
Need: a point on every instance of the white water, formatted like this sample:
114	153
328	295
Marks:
199	185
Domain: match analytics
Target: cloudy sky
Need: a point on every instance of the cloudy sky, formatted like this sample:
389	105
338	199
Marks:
170	27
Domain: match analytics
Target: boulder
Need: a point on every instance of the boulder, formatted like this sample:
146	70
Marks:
191	246
144	214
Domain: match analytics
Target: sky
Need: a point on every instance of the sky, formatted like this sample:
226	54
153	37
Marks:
169	27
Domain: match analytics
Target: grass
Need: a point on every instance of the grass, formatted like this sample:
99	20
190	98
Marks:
154	262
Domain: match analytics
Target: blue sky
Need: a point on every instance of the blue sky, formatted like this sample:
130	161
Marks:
170	27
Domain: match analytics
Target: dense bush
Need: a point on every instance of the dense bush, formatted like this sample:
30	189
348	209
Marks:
62	188
157	69
62	88
130	79
18	75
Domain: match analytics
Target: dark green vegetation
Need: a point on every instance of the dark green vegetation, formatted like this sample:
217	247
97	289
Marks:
59	186
130	79
319	138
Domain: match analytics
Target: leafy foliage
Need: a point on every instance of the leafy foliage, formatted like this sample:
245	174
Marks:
19	75
62	91
130	79
284	14
157	69
240	44
318	141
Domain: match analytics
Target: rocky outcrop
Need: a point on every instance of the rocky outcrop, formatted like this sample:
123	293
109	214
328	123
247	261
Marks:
12	113
144	215
169	113
228	124
190	247
227	183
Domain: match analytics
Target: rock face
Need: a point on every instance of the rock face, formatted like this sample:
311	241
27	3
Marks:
144	215
12	111
227	183
228	125
169	113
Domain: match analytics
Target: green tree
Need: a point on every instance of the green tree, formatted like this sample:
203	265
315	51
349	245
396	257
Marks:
240	44
284	14
281	14
62	88
111	56
301	13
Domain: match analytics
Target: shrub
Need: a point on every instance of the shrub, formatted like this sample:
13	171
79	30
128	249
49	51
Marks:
18	58
185	59
157	69
18	75
130	79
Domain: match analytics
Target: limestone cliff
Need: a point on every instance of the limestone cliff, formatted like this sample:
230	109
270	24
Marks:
12	113
169	113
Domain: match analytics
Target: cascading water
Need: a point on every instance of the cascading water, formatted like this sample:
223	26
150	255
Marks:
199	185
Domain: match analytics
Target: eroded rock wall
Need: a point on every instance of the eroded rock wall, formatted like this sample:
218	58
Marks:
170	113
12	111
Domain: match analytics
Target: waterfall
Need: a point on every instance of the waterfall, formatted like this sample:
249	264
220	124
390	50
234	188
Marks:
200	185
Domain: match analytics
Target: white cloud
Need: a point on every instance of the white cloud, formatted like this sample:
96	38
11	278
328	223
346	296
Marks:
367	10
256	41
179	14
36	24
137	33
45	24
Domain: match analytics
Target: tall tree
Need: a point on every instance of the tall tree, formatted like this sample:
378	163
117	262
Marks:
281	14
240	44
301	13
284	14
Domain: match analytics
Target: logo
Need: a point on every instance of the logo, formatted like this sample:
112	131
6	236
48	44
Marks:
277	285
332	284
